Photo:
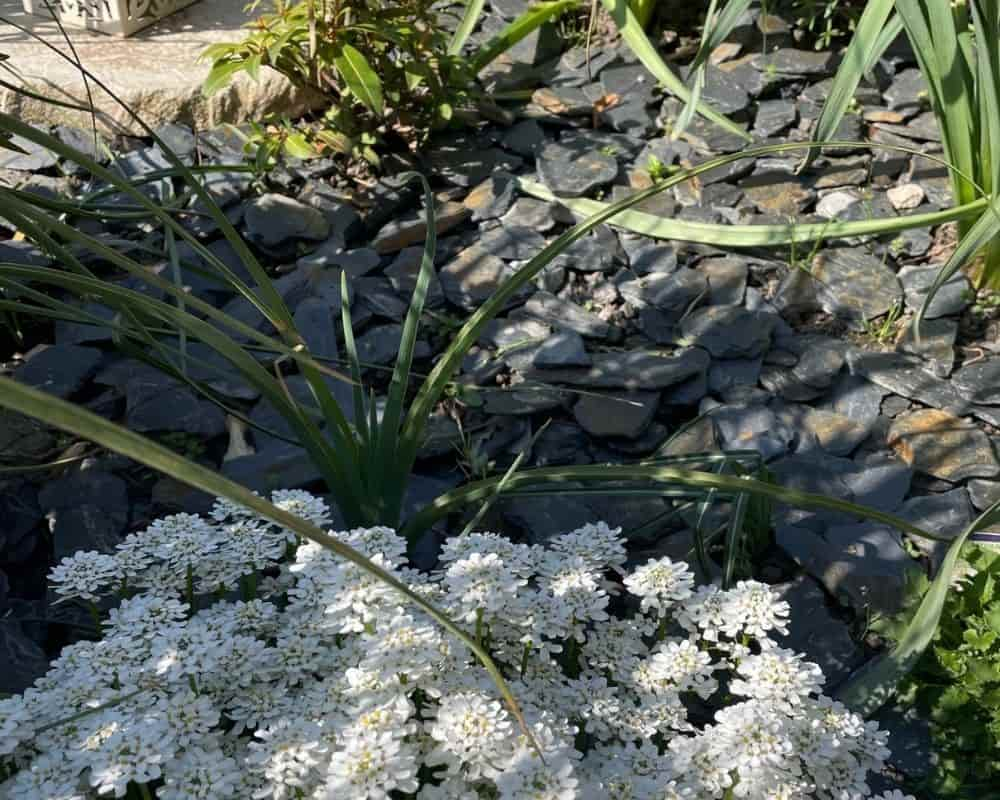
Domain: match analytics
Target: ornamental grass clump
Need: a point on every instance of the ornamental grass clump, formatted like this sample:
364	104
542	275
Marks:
239	661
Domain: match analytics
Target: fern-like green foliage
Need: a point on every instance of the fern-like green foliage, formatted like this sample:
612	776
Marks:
956	682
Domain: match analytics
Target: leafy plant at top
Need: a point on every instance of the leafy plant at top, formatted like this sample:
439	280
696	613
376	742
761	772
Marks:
390	74
956	682
385	68
827	20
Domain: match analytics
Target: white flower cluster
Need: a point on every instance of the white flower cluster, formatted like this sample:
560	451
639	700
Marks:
320	683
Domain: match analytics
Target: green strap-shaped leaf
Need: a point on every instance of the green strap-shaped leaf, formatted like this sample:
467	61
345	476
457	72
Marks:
875	31
69	417
872	686
473	10
749	235
717	28
643	49
360	78
530	20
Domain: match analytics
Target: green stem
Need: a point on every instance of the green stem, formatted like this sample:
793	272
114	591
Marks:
144	791
95	615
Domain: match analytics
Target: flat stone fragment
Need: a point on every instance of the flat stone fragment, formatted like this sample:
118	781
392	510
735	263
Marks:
511	242
837	435
773	117
412	229
34	158
979	382
670	292
942	445
854	285
472	277
729	331
59	369
936	344
573	174
946	514
951	298
905	376
635	370
856	398
273	219
727	280
560	313
492	198
562	349
619	415
866	563
983	493
777	194
751	427
814	630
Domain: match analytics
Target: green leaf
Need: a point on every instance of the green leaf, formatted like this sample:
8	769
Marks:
473	10
360	78
979	641
643	49
297	146
875	31
220	75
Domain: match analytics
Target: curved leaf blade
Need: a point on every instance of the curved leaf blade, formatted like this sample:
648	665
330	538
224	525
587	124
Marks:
360	78
533	18
473	10
633	34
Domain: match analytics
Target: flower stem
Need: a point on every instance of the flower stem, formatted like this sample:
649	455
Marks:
95	615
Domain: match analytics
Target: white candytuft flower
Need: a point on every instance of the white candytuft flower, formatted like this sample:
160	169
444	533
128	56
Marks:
237	662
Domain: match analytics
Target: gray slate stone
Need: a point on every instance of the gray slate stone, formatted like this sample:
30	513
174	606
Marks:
951	298
573	174
559	313
632	370
23	660
273	220
60	369
979	382
854	285
88	510
562	349
729	331
906	376
618	415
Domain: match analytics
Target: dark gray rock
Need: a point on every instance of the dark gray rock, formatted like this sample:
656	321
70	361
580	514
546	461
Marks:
951	298
983	493
834	433
273	220
787	61
560	313
727	280
527	212
511	243
854	285
24	661
331	255
616	415
729	331
380	345
725	374
378	295
672	293
778	194
868	564
22	253
598	251
942	445
60	369
492	198
34	157
633	370
946	514
908	90
913	750
87	510
156	402
646	257
403	272
461	159
525	138
751	427
936	344
561	443
774	117
575	174
562	349
979	382
815	631
878	481
905	376
632	117
633	81
472	277
281	466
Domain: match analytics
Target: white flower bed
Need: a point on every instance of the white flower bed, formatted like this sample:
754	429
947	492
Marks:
322	684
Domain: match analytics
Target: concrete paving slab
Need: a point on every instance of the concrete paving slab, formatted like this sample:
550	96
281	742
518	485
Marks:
156	72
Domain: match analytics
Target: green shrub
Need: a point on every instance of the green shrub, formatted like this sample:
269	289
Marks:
956	685
384	67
